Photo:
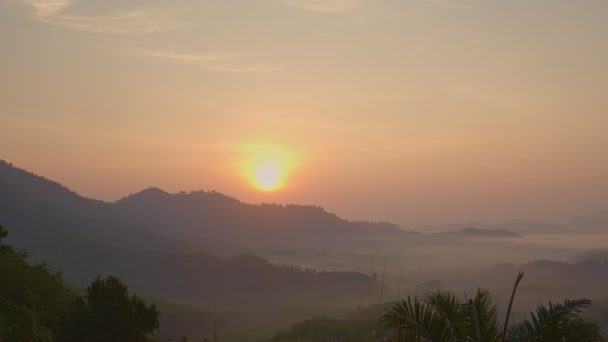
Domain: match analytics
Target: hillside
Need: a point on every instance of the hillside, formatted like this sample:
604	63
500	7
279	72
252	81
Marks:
155	219
202	214
85	237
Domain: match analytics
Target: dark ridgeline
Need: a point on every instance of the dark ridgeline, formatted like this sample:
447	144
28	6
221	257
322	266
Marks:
214	215
156	242
169	221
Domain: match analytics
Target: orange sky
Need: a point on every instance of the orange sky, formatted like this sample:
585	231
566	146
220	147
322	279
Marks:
418	111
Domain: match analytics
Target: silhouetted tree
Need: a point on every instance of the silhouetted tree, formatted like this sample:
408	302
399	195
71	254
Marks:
441	317
33	300
35	305
107	313
558	322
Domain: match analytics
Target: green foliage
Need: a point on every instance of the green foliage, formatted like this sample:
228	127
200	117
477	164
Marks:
556	323
35	305
108	313
419	319
33	300
448	306
440	316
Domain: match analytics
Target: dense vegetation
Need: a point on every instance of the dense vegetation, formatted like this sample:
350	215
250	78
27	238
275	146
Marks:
36	305
440	316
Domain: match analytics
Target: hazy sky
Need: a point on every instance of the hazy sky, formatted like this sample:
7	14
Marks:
411	111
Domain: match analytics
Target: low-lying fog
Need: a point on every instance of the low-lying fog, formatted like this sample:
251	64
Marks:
415	263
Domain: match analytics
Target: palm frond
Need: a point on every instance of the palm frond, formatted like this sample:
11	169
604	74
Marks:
521	332
482	317
520	275
571	308
414	317
448	306
556	322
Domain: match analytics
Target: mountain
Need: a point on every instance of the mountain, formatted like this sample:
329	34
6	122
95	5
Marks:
594	254
597	222
161	244
517	226
203	214
476	232
155	219
589	273
29	203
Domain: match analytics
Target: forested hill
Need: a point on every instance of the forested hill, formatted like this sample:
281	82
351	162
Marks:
188	277
164	221
84	238
201	213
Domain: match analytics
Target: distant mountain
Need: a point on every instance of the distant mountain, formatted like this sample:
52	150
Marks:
187	277
156	219
203	214
594	254
597	222
517	226
526	226
160	243
29	203
477	232
582	274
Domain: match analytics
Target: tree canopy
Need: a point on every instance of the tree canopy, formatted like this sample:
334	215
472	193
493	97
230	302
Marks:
36	305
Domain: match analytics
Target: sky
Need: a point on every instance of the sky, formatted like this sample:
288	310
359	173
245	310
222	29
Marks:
409	111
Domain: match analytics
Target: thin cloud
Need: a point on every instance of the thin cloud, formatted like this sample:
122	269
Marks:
245	69
219	60
214	56
46	8
137	21
323	5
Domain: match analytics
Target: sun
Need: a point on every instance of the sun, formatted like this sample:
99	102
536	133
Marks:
268	176
267	167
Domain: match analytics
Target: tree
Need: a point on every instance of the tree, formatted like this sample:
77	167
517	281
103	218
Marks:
33	299
107	313
558	322
36	306
440	316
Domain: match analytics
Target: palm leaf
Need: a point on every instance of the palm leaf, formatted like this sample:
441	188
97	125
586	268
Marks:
482	317
520	275
418	319
556	322
450	307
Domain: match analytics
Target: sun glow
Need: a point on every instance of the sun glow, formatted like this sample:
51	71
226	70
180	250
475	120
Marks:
268	176
267	167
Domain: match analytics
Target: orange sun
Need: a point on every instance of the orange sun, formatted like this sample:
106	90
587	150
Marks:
268	176
267	167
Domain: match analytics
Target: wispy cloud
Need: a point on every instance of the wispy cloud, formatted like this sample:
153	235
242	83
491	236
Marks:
245	69
47	8
323	5
213	56
136	21
220	60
